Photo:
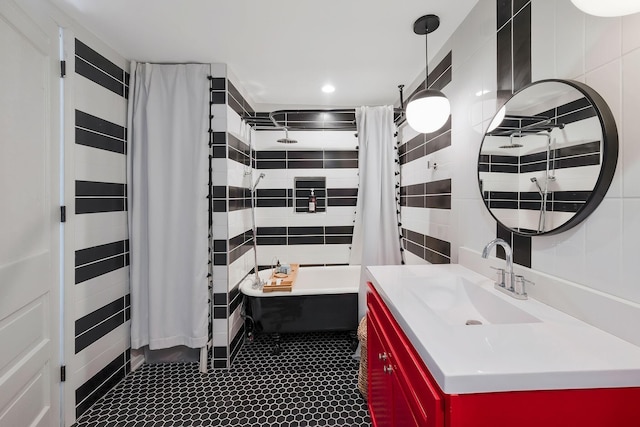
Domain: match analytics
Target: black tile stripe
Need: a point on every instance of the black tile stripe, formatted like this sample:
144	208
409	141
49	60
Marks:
427	247
218	83
98	385
513	46
94	334
102	142
98	316
342	192
236	343
521	249
329	235
99	77
425	144
305	240
87	205
310	159
306	231
218	98
438	187
504	58
435	194
271	231
92	188
237	102
100	70
96	124
235	298
440	76
94	58
99	268
236	253
96	253
342	201
522	48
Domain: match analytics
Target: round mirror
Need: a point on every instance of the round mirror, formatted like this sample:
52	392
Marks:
548	157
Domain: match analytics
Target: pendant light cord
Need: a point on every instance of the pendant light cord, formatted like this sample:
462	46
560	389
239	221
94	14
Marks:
426	59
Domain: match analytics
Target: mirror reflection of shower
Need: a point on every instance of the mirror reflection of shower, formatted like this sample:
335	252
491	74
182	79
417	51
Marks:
537	126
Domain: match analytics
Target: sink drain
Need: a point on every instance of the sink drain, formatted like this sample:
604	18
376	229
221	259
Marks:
473	322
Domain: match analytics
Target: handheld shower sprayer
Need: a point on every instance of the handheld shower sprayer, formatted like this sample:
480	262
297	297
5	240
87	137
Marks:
535	181
257	181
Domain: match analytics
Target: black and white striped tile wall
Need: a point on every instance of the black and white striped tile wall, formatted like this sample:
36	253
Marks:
99	220
425	185
513	72
325	161
232	236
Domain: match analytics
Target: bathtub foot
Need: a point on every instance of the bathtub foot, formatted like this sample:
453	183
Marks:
276	349
353	340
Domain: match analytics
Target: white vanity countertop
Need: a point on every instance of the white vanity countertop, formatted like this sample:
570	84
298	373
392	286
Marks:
558	352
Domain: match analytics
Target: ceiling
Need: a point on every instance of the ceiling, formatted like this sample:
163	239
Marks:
281	51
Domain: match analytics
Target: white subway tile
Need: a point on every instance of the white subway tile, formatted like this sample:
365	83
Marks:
629	287
603	41
630	129
603	243
570	40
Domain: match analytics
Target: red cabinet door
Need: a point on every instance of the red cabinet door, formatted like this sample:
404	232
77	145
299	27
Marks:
379	387
404	405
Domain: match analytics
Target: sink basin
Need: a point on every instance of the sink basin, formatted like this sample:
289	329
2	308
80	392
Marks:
458	301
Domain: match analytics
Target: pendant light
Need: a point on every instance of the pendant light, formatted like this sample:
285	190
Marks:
608	8
428	110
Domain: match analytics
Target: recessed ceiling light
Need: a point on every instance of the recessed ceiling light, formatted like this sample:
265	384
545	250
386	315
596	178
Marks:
328	88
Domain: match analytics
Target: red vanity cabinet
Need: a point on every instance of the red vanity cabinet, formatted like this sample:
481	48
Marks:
402	392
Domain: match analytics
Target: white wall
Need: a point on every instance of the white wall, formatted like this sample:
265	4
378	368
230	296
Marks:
603	251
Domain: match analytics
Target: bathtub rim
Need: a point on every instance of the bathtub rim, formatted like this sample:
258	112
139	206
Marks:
341	288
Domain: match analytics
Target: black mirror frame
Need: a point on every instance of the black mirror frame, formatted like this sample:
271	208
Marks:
609	157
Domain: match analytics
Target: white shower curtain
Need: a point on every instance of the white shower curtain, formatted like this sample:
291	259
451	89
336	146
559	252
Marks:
167	189
375	234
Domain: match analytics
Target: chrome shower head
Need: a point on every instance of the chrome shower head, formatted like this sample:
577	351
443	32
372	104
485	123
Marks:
286	139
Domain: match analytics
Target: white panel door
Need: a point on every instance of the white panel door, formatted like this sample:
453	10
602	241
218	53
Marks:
29	221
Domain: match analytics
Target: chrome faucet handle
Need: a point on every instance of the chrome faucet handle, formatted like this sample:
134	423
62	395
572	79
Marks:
500	273
519	287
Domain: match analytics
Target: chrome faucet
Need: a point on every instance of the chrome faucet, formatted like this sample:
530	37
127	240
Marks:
509	283
508	278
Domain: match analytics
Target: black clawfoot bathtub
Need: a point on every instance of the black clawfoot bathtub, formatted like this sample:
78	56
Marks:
322	299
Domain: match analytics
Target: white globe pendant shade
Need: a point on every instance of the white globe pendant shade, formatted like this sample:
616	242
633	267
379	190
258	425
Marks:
427	111
608	8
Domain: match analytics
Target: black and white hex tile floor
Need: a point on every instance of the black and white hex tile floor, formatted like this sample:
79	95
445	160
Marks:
313	382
